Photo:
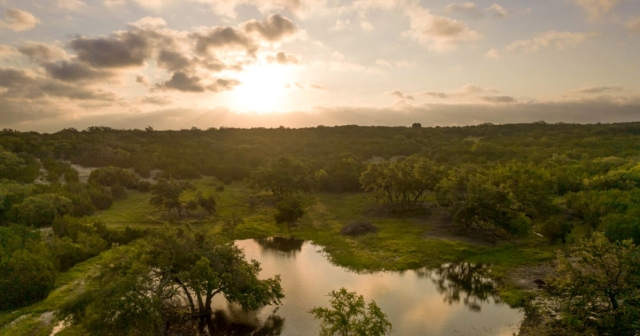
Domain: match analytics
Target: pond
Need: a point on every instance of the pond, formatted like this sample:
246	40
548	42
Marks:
454	299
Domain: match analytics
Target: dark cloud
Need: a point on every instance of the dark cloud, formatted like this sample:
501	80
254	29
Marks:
142	80
599	89
440	95
216	38
173	61
284	59
498	99
124	49
22	84
183	82
41	52
155	100
70	71
274	28
223	85
400	95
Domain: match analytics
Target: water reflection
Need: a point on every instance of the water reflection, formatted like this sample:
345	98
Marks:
288	246
229	321
429	302
462	282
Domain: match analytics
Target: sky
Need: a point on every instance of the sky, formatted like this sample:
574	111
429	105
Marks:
176	64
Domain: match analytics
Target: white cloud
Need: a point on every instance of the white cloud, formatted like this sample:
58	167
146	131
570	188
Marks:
6	50
72	5
493	54
497	10
469	8
438	33
559	40
114	3
18	20
341	25
366	25
596	8
404	64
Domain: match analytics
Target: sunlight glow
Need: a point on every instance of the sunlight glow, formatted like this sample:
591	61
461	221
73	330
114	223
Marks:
262	89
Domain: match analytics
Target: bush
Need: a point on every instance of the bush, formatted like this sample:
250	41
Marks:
144	186
118	192
358	228
289	210
110	176
100	198
220	188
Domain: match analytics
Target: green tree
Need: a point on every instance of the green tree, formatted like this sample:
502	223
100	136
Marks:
599	286
141	285
288	211
166	194
27	270
350	316
40	210
282	177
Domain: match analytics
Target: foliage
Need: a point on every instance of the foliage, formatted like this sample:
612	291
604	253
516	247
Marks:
155	274
599	285
166	194
350	316
40	210
282	177
404	182
288	211
110	176
118	192
27	271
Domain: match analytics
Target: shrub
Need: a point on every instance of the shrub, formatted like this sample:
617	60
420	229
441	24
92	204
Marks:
144	186
220	188
358	228
289	210
118	192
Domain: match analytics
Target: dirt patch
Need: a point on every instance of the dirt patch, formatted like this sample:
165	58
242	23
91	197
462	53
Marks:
530	277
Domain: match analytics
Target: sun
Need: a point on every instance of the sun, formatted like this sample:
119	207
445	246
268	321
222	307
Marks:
262	89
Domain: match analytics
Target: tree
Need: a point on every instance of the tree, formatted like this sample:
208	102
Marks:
27	271
139	286
166	194
350	316
289	210
599	286
40	210
282	177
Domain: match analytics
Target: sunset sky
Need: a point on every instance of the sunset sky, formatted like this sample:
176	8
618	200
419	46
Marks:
175	64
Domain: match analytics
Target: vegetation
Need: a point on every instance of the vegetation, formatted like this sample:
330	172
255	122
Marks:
505	195
350	316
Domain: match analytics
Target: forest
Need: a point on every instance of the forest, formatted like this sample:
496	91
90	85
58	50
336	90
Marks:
131	232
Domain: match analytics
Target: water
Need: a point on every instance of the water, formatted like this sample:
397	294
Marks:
455	299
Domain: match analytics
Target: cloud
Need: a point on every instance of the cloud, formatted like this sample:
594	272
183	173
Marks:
341	25
173	61
439	33
493	54
366	25
142	80
595	9
24	84
155	100
284	59
72	5
467	90
18	20
301	8
559	40
221	38
121	49
398	94
404	64
499	99
6	50
71	71
469	8
274	28
599	89
40	52
497	11
318	87
633	25
180	81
